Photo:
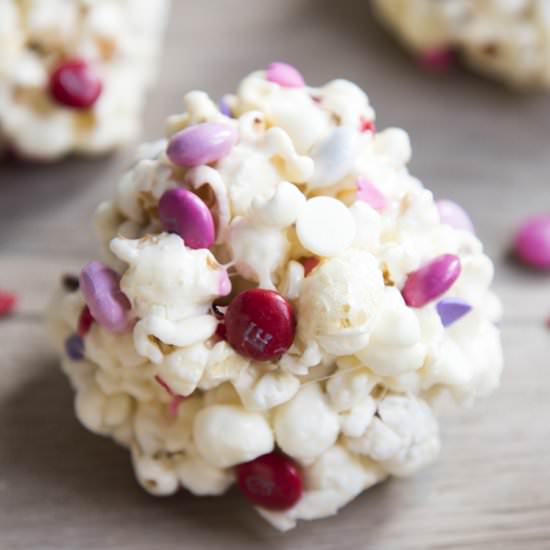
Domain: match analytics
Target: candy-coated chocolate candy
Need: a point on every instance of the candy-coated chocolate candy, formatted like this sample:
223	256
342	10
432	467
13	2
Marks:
260	324
74	347
367	125
325	226
74	83
224	107
369	193
186	214
432	280
108	305
285	75
438	59
202	144
272	481
532	242
450	310
7	302
85	322
454	215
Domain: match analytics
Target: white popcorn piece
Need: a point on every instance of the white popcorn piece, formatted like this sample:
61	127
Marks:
227	435
505	39
350	398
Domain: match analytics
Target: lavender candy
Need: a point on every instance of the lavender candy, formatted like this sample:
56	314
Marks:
285	75
108	305
202	144
450	310
454	215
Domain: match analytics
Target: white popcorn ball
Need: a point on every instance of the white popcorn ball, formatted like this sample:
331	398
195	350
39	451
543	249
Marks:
268	311
505	39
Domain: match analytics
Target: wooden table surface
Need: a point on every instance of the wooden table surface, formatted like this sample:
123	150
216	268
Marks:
63	488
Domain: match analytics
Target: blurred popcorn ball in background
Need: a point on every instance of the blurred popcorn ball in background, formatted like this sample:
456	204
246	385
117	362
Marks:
506	39
74	73
279	303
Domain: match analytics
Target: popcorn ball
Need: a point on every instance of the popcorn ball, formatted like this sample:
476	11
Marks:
506	39
73	73
278	303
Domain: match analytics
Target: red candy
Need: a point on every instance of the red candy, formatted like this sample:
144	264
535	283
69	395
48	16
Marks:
7	302
260	324
75	84
367	125
272	481
84	322
309	263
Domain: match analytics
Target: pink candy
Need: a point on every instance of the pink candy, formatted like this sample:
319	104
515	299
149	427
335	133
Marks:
184	213
432	280
100	286
454	215
532	242
202	144
285	75
369	193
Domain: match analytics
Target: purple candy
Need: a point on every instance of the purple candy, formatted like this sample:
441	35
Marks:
74	347
369	193
432	280
202	144
454	215
285	75
224	107
532	242
186	214
451	310
100	286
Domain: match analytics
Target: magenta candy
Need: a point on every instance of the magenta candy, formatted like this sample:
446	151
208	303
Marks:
432	280
108	305
285	75
532	242
369	193
202	144
184	213
438	59
453	214
224	286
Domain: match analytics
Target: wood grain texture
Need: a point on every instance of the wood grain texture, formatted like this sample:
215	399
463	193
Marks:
63	488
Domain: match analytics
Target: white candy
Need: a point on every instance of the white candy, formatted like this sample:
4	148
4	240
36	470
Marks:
325	226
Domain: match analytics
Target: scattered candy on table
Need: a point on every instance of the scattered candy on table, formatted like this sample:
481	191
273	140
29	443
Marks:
8	301
532	242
